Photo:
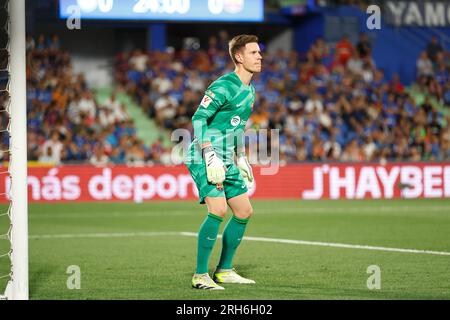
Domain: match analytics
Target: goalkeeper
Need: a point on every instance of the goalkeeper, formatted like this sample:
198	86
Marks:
219	124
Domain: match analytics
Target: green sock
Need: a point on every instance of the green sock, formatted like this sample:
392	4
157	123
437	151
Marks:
232	236
206	239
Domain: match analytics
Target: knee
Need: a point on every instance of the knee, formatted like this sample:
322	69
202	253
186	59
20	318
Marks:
219	210
245	213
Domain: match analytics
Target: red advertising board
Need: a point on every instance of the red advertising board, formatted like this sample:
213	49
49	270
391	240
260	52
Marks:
294	181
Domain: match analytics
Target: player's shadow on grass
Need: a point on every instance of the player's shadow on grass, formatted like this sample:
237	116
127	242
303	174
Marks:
242	269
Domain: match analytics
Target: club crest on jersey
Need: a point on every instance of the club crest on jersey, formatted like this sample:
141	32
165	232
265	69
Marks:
235	121
205	101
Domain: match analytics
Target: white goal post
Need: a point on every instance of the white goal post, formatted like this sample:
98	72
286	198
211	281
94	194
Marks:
17	287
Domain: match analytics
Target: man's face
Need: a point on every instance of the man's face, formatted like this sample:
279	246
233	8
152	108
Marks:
251	57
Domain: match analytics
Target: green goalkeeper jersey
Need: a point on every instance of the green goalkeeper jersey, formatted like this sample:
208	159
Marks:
221	118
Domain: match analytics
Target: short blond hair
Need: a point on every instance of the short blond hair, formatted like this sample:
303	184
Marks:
239	42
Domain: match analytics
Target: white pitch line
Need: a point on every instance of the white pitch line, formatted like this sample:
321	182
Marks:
102	235
262	239
335	245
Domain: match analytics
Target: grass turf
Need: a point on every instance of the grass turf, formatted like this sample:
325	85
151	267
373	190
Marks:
160	266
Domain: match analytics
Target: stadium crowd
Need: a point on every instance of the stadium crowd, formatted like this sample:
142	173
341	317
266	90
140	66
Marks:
328	104
65	122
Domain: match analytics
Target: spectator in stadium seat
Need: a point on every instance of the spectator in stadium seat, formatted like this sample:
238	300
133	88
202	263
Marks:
166	109
274	74
117	156
87	105
367	72
43	92
260	117
33	145
352	152
288	148
363	46
135	155
194	82
277	120
424	65
138	61
442	73
395	84
434	48
30	44
121	113
156	149
344	50
212	47
162	83
177	89
182	118
201	62
415	154
220	61
320	78
41	44
223	40
314	103
295	103
369	148
401	149
445	149
84	153
271	93
190	101
379	80
61	96
54	44
106	117
320	51
355	64
74	111
46	156
99	158
446	94
111	102
52	149
332	150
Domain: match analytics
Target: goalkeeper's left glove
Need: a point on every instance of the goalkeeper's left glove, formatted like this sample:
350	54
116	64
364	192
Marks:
246	170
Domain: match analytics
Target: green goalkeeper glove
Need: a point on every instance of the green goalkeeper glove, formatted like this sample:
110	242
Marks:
246	170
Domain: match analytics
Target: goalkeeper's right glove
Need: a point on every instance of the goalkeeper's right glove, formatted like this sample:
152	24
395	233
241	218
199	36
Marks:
215	169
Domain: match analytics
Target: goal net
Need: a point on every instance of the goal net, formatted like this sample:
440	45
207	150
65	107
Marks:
13	152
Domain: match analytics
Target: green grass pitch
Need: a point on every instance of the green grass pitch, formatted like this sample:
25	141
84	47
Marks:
136	251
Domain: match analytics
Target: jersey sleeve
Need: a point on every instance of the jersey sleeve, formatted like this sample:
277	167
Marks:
215	97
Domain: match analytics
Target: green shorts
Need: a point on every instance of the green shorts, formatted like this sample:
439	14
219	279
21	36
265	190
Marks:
233	185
